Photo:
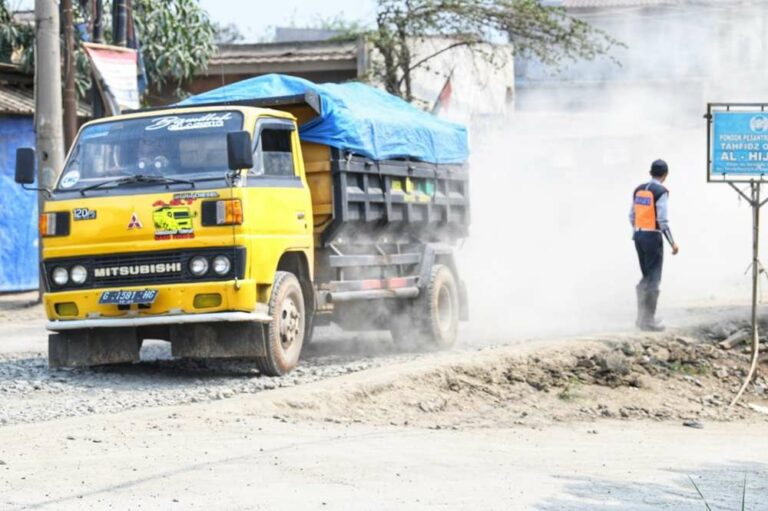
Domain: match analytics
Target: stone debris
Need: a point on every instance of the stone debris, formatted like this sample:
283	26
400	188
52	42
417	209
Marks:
30	392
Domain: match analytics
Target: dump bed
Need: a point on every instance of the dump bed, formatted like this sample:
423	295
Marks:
377	167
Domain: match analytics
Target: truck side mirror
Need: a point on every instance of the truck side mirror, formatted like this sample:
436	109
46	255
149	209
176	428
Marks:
25	165
239	150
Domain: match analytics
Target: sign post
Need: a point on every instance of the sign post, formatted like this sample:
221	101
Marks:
737	153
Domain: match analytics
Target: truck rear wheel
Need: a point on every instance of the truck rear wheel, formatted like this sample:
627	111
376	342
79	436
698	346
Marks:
439	308
285	333
433	318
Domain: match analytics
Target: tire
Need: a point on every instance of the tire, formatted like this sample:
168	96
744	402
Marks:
438	309
285	332
309	328
432	320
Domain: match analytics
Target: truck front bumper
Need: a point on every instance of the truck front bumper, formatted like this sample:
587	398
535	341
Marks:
175	304
258	316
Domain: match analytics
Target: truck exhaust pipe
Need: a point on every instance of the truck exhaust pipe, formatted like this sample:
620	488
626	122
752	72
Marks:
370	294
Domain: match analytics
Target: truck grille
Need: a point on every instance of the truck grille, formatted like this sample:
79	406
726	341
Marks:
145	268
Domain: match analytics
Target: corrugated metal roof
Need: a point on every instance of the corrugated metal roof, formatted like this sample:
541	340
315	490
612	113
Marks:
268	53
21	101
17	101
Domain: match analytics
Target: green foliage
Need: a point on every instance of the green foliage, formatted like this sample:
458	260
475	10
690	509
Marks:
547	33
15	38
347	29
177	39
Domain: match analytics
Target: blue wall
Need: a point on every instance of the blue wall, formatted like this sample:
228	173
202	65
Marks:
18	210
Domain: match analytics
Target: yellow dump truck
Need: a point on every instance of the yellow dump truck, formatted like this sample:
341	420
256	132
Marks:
220	229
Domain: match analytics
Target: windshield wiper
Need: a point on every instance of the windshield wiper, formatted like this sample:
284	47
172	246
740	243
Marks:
139	178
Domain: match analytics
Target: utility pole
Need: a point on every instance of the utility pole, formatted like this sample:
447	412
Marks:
70	100
98	30
120	23
98	37
49	137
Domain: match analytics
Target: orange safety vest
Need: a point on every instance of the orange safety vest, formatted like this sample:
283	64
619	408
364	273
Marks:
645	206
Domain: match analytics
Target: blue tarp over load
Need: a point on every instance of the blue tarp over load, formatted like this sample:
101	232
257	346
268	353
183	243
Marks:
357	118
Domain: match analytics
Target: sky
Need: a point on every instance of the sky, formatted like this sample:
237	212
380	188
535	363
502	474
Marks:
256	18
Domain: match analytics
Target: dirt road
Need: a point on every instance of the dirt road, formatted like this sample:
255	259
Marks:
228	455
563	423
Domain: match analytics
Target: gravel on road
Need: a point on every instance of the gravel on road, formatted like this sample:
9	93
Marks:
30	392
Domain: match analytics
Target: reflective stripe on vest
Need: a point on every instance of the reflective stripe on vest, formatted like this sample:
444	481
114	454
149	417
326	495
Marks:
645	210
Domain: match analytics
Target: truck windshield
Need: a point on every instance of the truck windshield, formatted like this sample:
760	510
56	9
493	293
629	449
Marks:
186	146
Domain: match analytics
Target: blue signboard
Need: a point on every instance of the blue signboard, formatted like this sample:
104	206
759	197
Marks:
740	143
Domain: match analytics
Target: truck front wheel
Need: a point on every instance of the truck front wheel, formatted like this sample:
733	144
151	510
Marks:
285	332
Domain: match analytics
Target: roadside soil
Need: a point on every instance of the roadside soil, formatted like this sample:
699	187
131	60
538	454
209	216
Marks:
566	423
659	377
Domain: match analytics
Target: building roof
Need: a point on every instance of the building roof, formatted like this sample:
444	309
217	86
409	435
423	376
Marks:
284	57
21	101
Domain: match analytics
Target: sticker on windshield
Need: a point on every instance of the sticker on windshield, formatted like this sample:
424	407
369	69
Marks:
99	130
174	123
70	179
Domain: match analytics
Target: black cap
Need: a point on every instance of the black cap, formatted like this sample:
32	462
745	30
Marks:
659	168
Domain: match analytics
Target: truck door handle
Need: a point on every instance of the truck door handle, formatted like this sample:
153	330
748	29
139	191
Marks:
300	215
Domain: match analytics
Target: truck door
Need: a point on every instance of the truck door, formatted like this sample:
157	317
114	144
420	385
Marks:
282	195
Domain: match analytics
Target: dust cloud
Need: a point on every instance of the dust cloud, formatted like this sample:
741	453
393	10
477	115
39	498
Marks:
550	248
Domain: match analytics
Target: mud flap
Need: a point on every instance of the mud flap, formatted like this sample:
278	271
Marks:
218	340
82	348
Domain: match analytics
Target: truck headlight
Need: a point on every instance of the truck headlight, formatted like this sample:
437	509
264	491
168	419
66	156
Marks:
221	265
198	265
78	274
60	276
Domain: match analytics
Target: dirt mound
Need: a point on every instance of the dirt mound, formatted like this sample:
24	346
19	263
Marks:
661	378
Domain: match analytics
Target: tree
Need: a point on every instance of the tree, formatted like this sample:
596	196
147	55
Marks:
176	38
15	37
227	34
547	33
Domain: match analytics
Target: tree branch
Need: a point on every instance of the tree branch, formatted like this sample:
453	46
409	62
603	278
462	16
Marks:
439	52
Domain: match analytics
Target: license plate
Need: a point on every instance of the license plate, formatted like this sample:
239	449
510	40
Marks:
146	296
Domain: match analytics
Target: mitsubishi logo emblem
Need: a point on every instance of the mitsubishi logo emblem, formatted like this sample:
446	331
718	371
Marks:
135	223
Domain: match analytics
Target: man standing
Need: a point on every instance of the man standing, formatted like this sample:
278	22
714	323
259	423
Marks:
648	217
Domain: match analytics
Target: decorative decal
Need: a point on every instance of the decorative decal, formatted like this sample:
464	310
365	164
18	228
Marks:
70	179
84	214
135	223
173	222
173	123
186	196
